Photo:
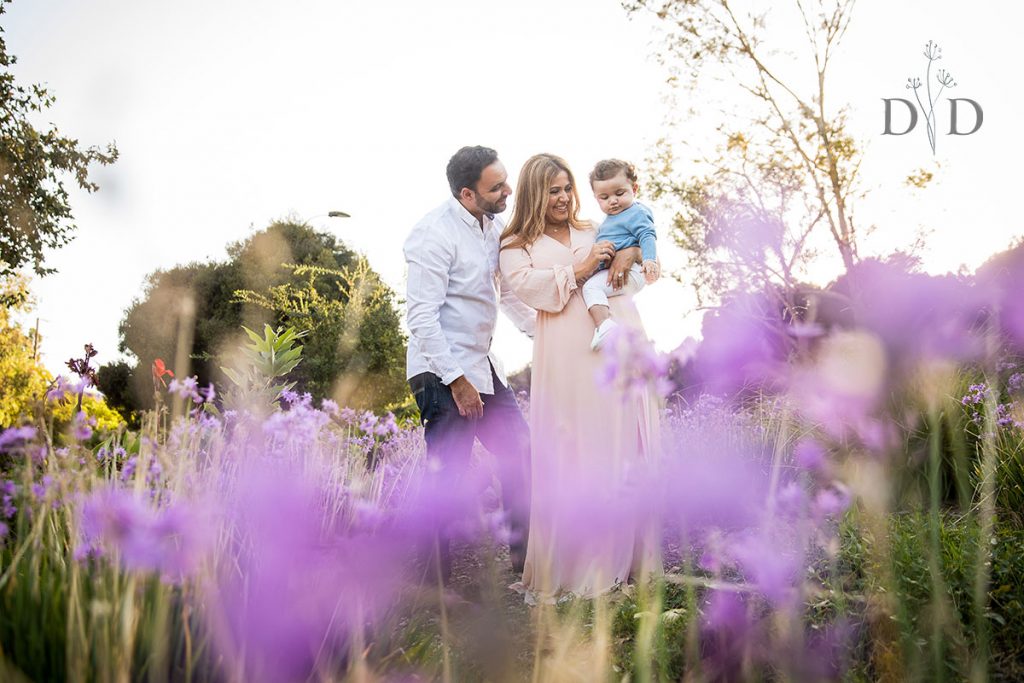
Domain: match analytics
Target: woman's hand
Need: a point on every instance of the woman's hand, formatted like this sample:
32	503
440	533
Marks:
620	265
599	253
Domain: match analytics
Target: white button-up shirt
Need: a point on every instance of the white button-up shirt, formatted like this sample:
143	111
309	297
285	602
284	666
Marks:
454	289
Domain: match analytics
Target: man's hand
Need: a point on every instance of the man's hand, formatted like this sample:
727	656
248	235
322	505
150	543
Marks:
467	398
620	265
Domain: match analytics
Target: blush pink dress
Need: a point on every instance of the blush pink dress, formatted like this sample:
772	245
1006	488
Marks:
588	441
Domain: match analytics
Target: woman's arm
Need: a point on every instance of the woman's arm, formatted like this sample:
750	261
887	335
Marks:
547	289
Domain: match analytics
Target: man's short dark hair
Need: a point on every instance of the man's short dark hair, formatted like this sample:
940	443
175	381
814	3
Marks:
466	166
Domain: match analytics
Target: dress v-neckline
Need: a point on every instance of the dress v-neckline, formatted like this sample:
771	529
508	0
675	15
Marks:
560	242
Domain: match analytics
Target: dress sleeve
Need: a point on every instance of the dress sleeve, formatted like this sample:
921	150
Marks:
524	317
545	289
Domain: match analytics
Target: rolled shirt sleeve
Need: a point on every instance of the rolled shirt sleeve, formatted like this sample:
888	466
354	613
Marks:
429	257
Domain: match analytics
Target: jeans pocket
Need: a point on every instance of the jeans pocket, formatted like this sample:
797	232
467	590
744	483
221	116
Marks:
424	392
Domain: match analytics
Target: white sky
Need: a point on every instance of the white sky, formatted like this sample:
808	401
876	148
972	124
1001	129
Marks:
231	114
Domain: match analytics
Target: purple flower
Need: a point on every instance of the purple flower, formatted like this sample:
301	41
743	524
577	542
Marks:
740	346
810	455
632	365
841	390
831	502
725	612
58	391
41	488
15	437
300	426
8	489
728	632
744	231
768	563
387	426
711	490
170	540
367	422
975	395
128	469
792	499
81	426
291	592
187	388
916	315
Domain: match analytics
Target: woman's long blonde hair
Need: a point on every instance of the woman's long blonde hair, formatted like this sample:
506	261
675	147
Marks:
527	222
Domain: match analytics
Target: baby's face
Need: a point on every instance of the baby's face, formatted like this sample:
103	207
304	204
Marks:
616	194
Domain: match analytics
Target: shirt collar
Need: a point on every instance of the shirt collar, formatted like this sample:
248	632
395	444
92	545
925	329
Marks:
468	218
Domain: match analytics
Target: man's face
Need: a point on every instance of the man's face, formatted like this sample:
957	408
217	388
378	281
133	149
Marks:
492	190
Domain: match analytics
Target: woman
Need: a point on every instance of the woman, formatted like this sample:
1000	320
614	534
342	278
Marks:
586	438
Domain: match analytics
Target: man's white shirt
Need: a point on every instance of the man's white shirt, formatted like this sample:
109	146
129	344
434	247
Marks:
452	297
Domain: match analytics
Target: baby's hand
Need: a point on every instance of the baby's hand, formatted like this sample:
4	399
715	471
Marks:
652	271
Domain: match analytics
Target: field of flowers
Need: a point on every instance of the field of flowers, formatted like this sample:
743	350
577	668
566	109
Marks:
851	511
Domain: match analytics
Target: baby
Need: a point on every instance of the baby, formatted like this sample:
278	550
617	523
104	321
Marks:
629	224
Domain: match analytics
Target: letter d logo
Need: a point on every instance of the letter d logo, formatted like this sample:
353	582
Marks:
888	115
978	115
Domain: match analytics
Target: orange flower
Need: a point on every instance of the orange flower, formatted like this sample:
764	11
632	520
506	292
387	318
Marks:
159	370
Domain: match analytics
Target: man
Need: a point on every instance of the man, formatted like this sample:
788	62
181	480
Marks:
454	289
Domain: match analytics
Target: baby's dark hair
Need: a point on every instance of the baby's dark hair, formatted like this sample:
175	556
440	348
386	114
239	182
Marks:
609	168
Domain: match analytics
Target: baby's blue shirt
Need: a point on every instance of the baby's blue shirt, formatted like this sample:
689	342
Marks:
634	227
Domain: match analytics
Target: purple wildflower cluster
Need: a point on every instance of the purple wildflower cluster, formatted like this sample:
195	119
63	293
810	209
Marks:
189	389
8	509
64	387
631	364
119	524
1006	413
365	421
16	437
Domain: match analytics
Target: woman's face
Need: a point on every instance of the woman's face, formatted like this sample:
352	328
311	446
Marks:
560	198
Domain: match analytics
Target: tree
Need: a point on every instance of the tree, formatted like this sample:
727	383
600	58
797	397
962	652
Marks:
149	328
35	213
23	379
785	168
114	381
355	351
288	275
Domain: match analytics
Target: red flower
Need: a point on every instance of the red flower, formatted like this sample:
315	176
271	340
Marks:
159	370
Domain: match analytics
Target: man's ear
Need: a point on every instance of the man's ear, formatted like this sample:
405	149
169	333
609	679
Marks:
466	195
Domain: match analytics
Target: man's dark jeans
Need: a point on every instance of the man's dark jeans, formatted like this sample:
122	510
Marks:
502	430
